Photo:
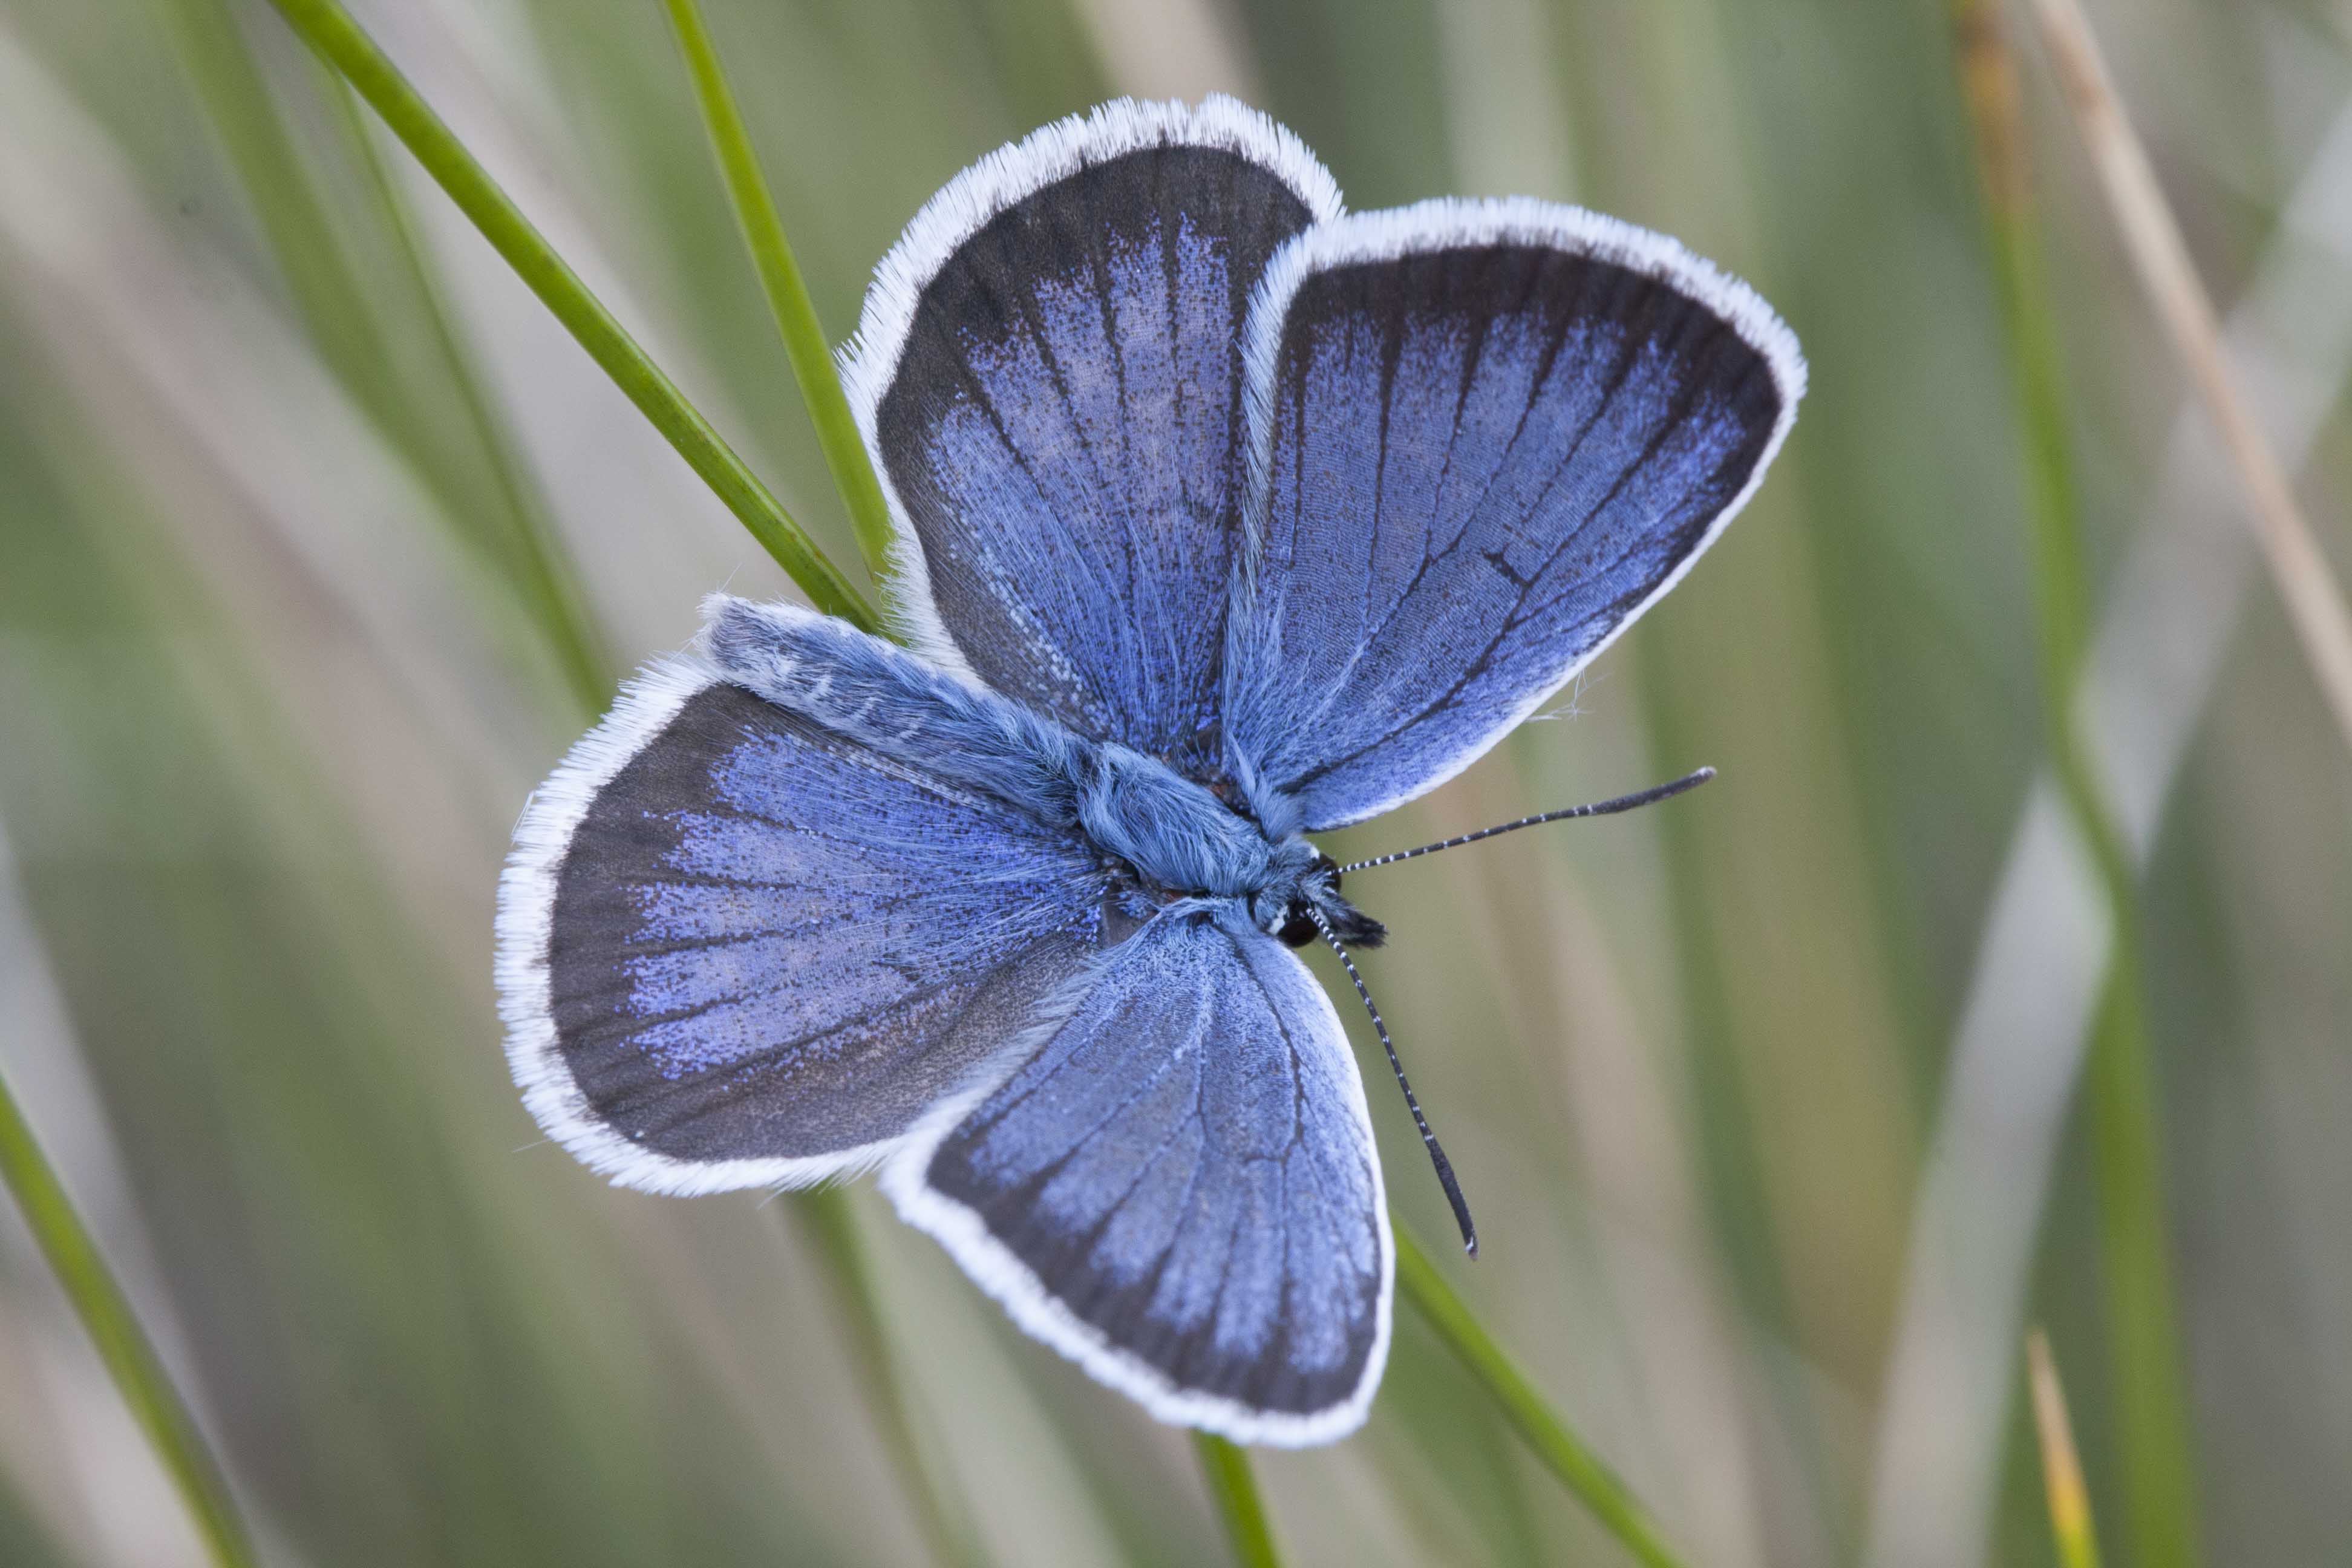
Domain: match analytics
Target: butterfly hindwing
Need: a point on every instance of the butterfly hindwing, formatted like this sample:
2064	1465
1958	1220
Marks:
1048	372
741	947
1487	435
1178	1187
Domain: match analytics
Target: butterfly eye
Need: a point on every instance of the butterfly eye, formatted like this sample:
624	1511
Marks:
1297	926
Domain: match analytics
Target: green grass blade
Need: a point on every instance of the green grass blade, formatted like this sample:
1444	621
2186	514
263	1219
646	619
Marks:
542	569
1234	1488
242	107
1566	1456
2137	1267
2062	1468
2143	1326
243	113
106	1312
788	297
24	1542
330	29
826	1213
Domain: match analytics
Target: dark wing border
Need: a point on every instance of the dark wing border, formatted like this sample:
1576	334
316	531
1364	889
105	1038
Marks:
968	204
999	1272
1451	223
527	893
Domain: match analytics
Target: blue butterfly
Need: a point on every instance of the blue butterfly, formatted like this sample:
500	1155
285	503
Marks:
1224	517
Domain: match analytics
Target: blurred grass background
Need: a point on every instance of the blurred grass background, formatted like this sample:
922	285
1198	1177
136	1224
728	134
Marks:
1765	1099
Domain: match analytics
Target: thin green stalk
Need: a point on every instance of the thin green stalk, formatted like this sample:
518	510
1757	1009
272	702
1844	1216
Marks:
1581	1470
106	1312
826	1212
1727	1109
25	1543
242	114
540	569
1233	1487
788	297
334	305
330	29
2144	1334
2137	1269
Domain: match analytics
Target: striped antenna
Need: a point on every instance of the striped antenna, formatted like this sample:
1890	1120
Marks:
1413	1102
1598	808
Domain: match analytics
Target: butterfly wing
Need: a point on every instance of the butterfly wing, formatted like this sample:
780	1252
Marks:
737	947
1178	1189
1049	375
1486	435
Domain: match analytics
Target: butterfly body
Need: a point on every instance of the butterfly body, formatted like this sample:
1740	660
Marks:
1225	518
1161	840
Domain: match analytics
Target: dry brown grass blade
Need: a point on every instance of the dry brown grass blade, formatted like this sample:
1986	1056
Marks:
2314	603
2061	1468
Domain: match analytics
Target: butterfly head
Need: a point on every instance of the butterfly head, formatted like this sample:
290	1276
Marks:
1288	908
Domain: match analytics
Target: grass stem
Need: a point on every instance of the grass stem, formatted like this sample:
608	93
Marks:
536	561
827	1215
2136	1264
241	107
266	163
2151	234
788	296
1583	1472
106	1314
1234	1487
340	40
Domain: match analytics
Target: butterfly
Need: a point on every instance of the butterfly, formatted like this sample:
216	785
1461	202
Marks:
1224	517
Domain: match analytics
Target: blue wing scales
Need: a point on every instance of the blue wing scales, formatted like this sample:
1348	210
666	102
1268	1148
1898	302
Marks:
1178	1187
741	945
1486	435
1048	374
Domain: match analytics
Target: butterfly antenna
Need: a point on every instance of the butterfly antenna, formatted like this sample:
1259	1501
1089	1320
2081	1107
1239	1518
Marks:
1598	808
1413	1102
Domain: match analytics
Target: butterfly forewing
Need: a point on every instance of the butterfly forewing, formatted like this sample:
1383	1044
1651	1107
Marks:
1049	374
1488	434
1179	1188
